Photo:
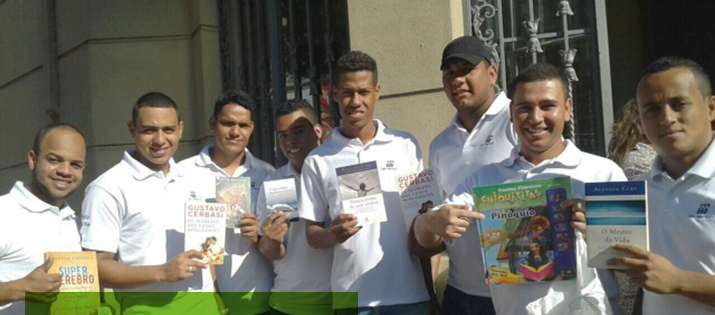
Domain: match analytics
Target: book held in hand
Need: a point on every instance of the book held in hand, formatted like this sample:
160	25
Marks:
206	230
419	192
616	212
79	290
281	197
361	193
236	193
526	236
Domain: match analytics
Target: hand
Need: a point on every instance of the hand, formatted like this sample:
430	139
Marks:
249	227
40	286
275	227
649	271
578	214
344	227
182	267
451	221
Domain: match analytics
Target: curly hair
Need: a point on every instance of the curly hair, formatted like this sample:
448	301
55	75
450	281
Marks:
355	61
626	132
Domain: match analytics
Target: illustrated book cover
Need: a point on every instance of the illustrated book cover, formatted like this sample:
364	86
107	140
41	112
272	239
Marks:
419	192
361	193
79	289
281	196
206	230
236	193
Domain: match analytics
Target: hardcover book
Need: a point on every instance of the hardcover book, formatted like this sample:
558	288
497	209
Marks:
361	193
79	290
419	192
526	236
616	212
281	197
236	193
205	230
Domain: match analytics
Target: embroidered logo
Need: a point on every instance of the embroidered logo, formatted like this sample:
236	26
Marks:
253	185
390	164
488	141
703	209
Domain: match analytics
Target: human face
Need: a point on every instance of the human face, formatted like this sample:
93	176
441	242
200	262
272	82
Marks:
232	129
156	135
674	116
539	111
57	168
468	87
356	95
297	136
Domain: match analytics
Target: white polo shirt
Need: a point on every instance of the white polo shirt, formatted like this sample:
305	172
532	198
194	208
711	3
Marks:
456	154
512	299
303	268
245	269
681	221
138	213
376	261
29	228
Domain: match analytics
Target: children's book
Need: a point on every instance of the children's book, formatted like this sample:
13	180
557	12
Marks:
616	212
281	197
205	230
419	192
526	236
236	193
79	289
361	193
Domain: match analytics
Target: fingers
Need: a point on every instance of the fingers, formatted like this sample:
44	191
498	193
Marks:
247	220
468	214
574	204
344	218
633	250
193	254
48	264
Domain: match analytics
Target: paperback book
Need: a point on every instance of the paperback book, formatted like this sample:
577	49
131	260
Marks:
281	197
419	192
236	193
616	212
526	236
205	230
361	193
79	289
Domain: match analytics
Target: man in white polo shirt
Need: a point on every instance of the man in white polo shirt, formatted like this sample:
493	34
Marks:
133	216
302	282
539	109
373	260
676	109
480	133
244	279
36	220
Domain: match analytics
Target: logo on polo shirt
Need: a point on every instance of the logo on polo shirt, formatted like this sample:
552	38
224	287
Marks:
253	185
390	164
702	212
488	141
703	209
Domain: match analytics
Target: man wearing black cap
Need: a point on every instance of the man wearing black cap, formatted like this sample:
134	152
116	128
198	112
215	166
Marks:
480	133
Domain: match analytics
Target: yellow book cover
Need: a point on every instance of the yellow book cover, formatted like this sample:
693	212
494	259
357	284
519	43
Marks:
79	290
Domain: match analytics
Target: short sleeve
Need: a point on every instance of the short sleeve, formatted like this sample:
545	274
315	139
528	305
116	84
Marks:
313	205
101	220
462	195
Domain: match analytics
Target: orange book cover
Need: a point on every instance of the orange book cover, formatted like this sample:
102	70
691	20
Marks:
79	291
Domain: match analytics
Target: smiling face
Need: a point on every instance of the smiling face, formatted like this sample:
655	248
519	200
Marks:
539	112
356	95
297	136
469	88
232	130
57	167
156	135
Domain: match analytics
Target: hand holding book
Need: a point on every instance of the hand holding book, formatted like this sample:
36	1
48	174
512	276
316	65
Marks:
451	221
276	227
40	286
578	214
182	267
344	227
249	227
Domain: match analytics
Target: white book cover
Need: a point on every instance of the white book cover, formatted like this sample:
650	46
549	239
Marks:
361	193
205	230
281	196
616	212
419	192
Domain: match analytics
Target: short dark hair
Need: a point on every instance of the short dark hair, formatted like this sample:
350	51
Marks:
355	61
46	129
539	72
237	97
295	105
154	100
666	63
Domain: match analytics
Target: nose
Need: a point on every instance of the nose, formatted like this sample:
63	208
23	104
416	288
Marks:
669	115
233	132
355	100
64	169
536	115
159	137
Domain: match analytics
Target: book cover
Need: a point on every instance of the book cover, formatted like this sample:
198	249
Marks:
361	193
419	192
616	212
205	230
236	193
79	290
281	196
526	236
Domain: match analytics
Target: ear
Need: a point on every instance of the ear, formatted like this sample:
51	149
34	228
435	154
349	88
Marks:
377	91
181	128
569	108
318	131
31	160
131	127
711	108
335	95
212	123
493	73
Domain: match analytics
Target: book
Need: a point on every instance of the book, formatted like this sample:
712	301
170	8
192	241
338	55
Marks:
526	236
205	230
79	289
281	197
419	192
236	193
616	212
361	193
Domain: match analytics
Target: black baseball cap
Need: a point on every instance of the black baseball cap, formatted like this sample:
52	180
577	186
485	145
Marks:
468	48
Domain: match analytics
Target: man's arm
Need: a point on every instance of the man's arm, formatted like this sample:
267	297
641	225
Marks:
419	250
341	229
449	222
30	287
274	230
118	275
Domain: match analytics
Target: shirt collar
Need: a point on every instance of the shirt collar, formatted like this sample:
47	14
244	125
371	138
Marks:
380	136
33	204
704	167
570	157
205	160
499	103
140	172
